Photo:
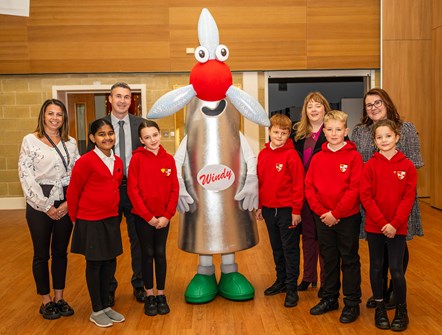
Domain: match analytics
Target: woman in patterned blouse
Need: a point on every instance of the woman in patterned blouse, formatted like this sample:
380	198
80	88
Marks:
45	163
377	106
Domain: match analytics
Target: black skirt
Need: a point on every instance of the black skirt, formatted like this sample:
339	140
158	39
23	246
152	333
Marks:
97	240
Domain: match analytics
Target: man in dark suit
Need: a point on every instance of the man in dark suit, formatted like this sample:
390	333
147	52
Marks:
126	140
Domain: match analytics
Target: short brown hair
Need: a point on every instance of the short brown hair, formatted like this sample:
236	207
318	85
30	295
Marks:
281	120
386	123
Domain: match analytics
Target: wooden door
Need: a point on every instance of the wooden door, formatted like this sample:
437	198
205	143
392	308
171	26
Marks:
81	111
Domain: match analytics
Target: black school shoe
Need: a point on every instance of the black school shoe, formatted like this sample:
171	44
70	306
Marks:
349	314
162	306
139	294
50	311
63	308
324	306
150	305
277	287
291	298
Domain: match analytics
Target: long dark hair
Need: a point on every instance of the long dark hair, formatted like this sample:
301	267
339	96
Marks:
97	124
64	129
392	113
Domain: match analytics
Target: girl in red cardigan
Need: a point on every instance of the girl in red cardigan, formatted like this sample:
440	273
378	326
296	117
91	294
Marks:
387	191
93	197
152	186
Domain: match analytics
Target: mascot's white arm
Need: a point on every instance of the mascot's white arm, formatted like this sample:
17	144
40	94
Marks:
249	193
184	199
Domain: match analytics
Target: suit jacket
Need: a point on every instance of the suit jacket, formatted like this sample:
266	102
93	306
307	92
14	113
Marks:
134	121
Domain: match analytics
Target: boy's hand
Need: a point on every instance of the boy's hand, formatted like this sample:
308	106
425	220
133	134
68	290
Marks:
258	214
296	219
389	231
328	219
153	222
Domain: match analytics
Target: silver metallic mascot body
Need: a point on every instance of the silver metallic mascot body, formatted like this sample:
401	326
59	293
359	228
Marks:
220	188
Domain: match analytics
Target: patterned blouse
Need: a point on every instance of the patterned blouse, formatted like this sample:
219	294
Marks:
40	164
409	144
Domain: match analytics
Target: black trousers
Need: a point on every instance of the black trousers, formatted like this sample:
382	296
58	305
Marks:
285	244
49	236
135	249
153	251
98	277
339	246
396	250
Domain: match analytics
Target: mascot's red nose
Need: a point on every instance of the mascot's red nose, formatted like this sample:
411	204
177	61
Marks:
211	80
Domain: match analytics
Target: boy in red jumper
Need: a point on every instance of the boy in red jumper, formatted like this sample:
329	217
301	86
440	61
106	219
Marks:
332	191
281	196
388	190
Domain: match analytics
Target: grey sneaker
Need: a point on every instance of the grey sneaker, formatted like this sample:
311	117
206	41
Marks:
114	316
100	319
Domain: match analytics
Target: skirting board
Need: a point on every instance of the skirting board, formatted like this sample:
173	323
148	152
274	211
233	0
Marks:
12	203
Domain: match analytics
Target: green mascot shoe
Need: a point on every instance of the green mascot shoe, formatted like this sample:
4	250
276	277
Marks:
235	286
201	289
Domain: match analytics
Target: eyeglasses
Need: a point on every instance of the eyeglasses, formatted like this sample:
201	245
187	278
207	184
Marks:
378	103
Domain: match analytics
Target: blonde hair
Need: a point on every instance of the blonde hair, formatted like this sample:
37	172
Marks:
282	121
337	116
303	128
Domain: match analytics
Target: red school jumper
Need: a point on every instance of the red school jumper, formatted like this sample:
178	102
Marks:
281	178
388	190
332	181
93	192
152	184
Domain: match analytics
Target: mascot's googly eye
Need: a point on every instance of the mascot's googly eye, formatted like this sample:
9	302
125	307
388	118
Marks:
222	53
202	54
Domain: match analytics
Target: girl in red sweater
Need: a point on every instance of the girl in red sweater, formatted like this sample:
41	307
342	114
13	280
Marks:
152	186
387	191
93	197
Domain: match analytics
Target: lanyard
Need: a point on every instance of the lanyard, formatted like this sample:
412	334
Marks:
59	153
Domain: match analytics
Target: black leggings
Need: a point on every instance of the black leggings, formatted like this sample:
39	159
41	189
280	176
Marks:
98	278
396	250
389	285
153	246
53	235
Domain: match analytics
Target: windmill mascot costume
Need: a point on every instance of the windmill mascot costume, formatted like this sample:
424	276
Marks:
216	167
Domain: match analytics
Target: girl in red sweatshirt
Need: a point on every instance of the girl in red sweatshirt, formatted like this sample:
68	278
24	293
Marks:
93	197
387	191
152	186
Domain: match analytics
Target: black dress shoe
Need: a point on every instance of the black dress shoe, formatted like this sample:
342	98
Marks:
400	320
63	308
139	294
371	303
305	284
380	316
49	311
162	306
111	299
291	298
349	314
276	288
150	306
324	306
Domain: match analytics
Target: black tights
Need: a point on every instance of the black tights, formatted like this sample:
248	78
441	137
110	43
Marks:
153	247
98	278
388	285
395	253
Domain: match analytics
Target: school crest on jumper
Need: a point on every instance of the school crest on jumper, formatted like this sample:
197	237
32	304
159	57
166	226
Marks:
343	167
166	171
278	167
400	174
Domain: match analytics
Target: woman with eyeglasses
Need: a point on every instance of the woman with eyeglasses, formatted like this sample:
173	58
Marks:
379	106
